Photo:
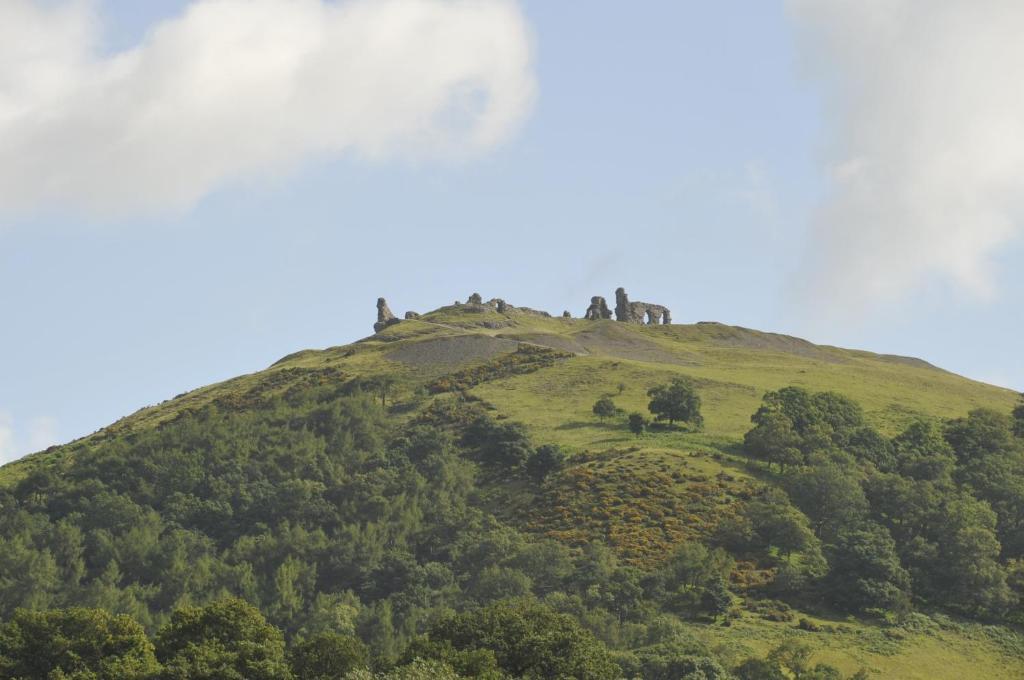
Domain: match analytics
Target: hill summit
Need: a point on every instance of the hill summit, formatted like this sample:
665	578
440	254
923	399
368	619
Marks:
658	498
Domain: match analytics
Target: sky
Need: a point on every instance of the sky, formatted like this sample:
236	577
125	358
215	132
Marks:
192	189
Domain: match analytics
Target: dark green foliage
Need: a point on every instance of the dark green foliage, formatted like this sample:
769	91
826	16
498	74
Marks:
793	423
923	453
529	640
934	511
327	656
506	445
224	640
774	440
681	667
866	572
637	423
604	408
828	490
75	644
545	460
983	433
1018	417
677	400
693	581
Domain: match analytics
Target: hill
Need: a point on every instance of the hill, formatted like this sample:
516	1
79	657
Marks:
371	488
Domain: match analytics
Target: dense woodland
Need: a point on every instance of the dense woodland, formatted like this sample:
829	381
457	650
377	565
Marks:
320	536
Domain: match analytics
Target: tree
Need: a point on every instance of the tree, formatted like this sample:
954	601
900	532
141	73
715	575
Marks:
866	571
547	459
604	408
419	669
773	440
693	580
226	640
505	444
327	656
529	640
676	401
75	644
795	403
983	433
637	423
383	386
1018	417
923	453
828	490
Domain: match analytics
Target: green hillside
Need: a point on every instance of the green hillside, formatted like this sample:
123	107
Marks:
734	367
272	486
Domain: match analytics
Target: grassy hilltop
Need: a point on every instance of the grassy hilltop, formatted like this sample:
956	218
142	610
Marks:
643	497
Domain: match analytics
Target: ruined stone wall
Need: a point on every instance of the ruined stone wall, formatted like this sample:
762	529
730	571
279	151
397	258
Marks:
639	312
625	310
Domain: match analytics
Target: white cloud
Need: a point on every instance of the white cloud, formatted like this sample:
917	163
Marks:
42	433
7	447
237	89
925	106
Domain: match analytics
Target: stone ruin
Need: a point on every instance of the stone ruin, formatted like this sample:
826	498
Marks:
597	310
625	311
384	316
639	312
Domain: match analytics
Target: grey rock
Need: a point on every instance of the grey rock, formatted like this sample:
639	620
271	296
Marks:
475	299
412	315
384	316
597	310
566	314
639	312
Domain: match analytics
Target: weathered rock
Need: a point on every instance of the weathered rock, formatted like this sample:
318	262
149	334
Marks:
597	310
566	314
501	306
475	299
639	312
384	316
412	315
531	312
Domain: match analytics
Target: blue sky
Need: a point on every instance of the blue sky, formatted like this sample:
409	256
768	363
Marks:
751	163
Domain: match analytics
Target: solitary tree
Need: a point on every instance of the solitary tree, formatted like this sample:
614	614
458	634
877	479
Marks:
604	408
637	423
547	459
676	401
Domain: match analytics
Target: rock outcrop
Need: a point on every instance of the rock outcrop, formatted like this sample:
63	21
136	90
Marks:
597	310
639	312
384	316
625	311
